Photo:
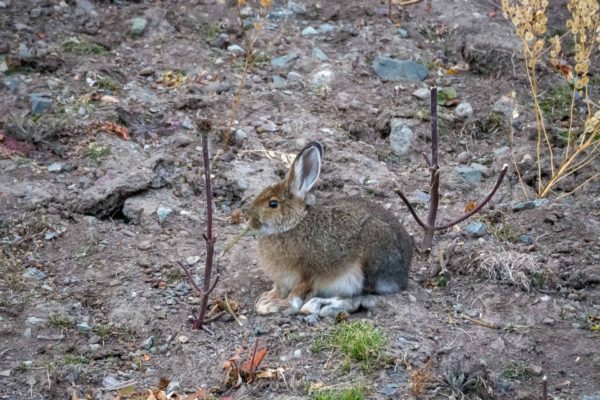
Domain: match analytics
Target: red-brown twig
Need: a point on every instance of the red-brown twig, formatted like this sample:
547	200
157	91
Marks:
204	127
430	227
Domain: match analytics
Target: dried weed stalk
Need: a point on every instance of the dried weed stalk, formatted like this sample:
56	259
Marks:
429	227
250	38
583	143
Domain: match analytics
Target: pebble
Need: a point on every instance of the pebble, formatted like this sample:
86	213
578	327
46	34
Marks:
84	327
34	273
476	229
148	343
192	260
297	353
40	103
147	71
403	33
183	339
327	28
27	333
138	25
463	110
464	157
173	388
472	174
529	205
548	321
2	4
5	373
55	167
526	239
35	12
422	93
294	76
163	213
145	245
279	82
309	31
319	54
235	50
390	69
34	320
401	136
240	136
282	61
505	106
535	370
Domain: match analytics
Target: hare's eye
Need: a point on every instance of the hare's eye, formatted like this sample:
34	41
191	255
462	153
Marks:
273	204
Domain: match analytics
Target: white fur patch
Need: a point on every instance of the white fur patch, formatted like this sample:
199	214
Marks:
295	303
348	284
331	306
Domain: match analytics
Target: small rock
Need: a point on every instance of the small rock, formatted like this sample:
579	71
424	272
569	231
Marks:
279	82
138	25
2	4
262	330
593	396
526	239
34	273
401	136
40	102
327	28
498	345
319	54
476	229
163	213
145	245
148	343
390	69
464	157
192	260
527	160
5	373
569	308
183	339
282	61
505	106
390	389
268	126
84	327
529	205
297	353
24	51
293	76
35	12
236	50
309	31
463	110
27	333
422	93
240	136
34	320
548	321
472	174
173	388
147	71
55	167
403	33
110	382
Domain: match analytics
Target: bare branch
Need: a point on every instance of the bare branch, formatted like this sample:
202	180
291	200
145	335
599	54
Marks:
480	205
410	208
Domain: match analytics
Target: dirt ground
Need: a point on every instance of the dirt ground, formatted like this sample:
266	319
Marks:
93	226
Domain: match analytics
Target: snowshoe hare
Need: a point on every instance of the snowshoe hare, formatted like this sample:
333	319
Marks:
328	257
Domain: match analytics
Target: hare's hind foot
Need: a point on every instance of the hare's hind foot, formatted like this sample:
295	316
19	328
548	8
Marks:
330	307
270	302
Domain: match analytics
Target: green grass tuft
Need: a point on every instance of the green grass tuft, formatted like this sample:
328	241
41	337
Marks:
353	393
358	341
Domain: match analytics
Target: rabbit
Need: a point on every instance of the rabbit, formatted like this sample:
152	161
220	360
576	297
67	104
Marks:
328	257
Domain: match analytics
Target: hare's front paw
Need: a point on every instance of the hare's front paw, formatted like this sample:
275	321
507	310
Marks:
269	302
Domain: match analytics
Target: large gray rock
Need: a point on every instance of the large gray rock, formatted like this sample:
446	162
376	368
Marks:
109	192
283	61
390	69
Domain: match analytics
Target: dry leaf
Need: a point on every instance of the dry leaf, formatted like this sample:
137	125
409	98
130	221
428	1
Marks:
151	395
146	357
470	206
236	217
254	360
270	373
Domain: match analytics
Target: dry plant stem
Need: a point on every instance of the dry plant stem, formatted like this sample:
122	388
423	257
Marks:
209	239
514	160
429	227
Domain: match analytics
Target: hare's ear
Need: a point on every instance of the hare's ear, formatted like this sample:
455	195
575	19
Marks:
305	170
